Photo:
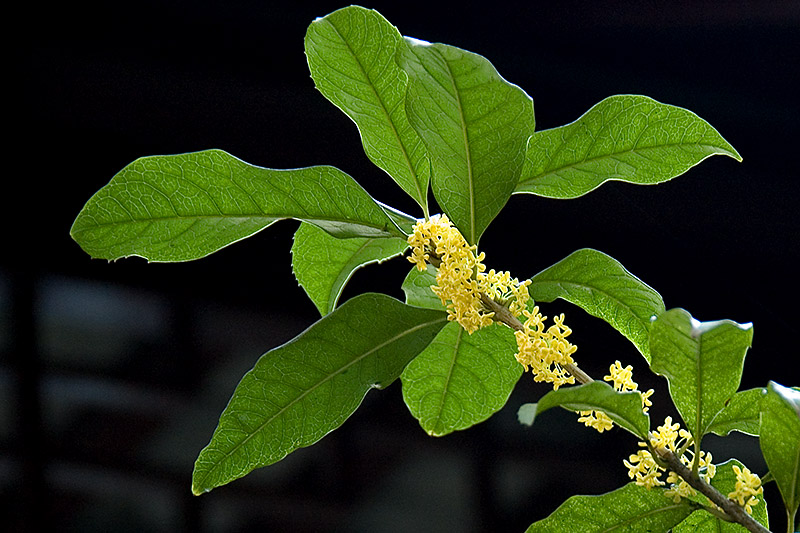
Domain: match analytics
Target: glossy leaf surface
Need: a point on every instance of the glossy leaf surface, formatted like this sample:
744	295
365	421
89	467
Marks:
741	414
624	408
627	138
187	206
780	440
702	362
602	287
475	126
460	379
351	55
323	264
630	509
417	288
299	392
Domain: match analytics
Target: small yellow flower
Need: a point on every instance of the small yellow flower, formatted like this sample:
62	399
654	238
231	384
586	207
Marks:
596	419
748	487
545	351
644	470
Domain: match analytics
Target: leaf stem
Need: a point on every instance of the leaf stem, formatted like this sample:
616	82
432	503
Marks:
733	510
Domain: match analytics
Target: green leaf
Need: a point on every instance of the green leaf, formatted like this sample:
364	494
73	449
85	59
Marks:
630	509
704	522
417	288
741	414
702	362
627	138
624	408
323	264
187	206
603	288
351	55
475	126
299	392
460	379
780	441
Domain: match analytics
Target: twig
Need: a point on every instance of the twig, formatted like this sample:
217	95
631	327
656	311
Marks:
732	509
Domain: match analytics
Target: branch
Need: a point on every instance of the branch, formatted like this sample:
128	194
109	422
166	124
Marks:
733	510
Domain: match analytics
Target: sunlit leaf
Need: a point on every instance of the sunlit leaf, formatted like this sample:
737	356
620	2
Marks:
602	287
780	440
460	379
742	413
417	288
299	392
627	138
186	206
624	408
702	362
475	126
630	509
323	264
351	55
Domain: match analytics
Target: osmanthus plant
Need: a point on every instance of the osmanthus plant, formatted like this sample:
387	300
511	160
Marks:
438	118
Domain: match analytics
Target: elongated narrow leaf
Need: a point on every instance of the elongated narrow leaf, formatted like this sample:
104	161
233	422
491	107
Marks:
780	440
624	408
186	206
475	126
602	287
630	509
704	522
702	362
417	288
627	138
460	379
351	55
741	414
323	264
299	392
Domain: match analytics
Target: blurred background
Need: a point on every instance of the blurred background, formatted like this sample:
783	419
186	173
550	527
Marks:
113	375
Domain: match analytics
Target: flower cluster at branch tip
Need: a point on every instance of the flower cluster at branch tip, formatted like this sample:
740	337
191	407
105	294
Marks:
748	487
623	382
461	278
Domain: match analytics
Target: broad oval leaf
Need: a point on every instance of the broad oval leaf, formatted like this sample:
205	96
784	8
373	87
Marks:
780	441
475	126
742	413
702	521
624	408
460	379
299	392
323	264
351	56
702	362
187	206
628	138
602	287
629	509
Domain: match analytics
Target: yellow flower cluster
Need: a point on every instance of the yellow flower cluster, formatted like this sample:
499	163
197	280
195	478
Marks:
623	382
748	487
643	468
461	278
545	351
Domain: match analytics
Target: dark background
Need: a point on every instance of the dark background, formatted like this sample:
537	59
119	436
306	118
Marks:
113	375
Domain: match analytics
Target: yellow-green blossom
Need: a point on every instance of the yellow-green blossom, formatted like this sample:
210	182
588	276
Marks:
623	382
748	487
461	279
545	351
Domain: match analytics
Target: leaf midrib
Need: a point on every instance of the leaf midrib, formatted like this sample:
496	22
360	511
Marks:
406	157
339	371
555	170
